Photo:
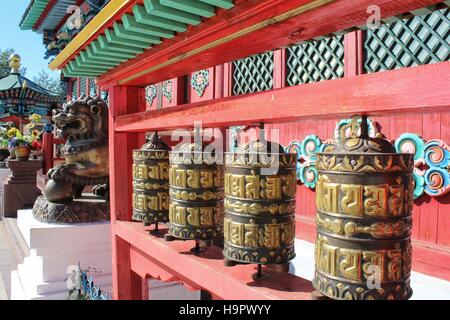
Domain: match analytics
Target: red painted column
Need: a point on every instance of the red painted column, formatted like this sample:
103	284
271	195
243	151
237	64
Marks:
228	79
354	53
279	68
122	100
78	87
88	86
69	90
47	151
218	81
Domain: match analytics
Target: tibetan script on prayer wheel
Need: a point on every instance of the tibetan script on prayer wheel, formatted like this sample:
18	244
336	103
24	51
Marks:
196	195
364	199
151	182
259	224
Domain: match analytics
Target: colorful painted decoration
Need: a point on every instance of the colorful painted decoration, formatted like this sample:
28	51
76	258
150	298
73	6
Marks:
167	89
437	176
150	94
431	159
411	143
344	128
295	147
200	81
306	155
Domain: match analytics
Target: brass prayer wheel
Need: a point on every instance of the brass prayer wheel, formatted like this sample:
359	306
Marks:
260	186
151	181
364	199
196	195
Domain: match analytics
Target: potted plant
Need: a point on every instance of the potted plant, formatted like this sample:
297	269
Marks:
4	152
33	135
13	134
19	149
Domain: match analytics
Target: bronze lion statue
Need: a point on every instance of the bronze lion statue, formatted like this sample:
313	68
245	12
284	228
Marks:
84	125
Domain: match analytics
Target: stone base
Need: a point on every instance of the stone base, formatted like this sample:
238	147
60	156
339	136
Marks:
53	251
19	190
88	209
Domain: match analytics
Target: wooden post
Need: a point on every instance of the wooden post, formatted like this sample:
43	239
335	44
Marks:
127	285
47	151
88	87
228	79
279	68
354	53
122	100
78	87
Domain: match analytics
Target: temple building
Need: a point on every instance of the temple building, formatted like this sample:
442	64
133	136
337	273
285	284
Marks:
21	97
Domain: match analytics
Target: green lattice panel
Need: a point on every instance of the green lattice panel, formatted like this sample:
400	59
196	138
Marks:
253	74
408	42
315	61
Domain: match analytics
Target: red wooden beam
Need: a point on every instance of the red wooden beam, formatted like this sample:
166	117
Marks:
417	89
208	271
249	28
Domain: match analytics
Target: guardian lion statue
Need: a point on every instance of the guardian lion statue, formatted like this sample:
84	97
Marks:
84	125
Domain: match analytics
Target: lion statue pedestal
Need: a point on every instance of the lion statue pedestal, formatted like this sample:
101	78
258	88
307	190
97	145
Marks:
84	125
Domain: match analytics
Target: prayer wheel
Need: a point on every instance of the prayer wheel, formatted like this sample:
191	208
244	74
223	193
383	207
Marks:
364	198
151	181
260	186
196	195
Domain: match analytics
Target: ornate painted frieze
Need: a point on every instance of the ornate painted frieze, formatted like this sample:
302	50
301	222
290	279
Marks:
431	158
200	81
167	90
150	94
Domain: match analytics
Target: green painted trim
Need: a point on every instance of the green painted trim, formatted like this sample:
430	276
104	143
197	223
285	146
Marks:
224	4
105	44
191	6
33	15
114	39
141	16
68	73
130	24
139	30
154	7
88	67
120	31
92	54
83	57
98	51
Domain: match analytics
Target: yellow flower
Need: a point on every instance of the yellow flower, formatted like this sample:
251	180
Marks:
11	132
35	117
35	133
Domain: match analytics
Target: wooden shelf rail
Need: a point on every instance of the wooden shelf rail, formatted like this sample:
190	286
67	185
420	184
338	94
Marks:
154	257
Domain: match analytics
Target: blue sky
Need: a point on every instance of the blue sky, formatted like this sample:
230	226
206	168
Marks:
27	44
